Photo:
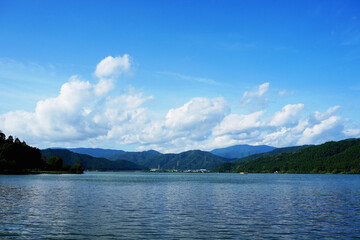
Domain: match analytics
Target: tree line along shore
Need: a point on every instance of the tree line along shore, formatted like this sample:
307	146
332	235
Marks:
16	157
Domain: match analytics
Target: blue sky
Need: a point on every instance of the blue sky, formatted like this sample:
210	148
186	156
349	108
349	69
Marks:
179	75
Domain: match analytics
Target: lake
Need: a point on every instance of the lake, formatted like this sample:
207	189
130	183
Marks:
134	205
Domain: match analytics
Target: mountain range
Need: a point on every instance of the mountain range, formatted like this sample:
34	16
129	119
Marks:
193	159
330	157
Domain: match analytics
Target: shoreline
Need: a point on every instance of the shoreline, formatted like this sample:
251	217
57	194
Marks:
37	172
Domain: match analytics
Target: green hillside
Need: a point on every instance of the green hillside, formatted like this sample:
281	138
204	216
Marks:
330	157
92	163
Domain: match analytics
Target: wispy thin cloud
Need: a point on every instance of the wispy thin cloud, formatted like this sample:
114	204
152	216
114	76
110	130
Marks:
30	72
240	46
257	96
353	40
191	78
285	92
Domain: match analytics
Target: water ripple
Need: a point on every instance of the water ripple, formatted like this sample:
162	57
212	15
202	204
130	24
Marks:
179	206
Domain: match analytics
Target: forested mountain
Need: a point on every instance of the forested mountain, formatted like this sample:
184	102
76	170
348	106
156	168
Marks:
239	151
330	157
92	163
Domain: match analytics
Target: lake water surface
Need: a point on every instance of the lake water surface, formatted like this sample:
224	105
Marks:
179	206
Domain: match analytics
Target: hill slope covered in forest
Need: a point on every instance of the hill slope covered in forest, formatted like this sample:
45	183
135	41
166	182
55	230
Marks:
330	157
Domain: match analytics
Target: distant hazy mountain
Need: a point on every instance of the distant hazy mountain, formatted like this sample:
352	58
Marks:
239	151
92	163
95	152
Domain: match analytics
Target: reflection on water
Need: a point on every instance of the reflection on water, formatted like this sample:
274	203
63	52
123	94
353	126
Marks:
173	206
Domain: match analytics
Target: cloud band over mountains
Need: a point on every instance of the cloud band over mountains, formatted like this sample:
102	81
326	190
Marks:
86	114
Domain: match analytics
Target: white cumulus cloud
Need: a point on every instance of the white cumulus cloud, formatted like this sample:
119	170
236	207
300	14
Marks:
187	126
112	66
104	86
327	129
235	124
80	112
285	128
288	114
197	113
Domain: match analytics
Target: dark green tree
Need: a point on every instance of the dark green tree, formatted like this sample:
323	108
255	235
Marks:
19	157
55	163
10	139
78	168
2	137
